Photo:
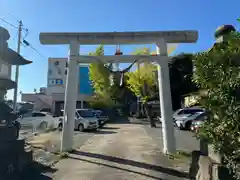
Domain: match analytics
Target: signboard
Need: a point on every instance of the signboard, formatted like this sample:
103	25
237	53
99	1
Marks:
85	86
55	82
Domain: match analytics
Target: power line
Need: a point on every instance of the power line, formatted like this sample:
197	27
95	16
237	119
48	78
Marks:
15	36
11	24
7	22
26	43
26	33
10	14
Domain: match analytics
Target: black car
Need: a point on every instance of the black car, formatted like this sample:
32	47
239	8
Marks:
102	118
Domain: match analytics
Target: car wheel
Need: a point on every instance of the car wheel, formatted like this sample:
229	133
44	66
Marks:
60	126
80	128
188	125
43	125
180	127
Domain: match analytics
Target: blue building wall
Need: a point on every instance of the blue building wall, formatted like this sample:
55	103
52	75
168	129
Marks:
85	86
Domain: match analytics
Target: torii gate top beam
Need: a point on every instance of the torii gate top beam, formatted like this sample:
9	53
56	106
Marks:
108	38
115	59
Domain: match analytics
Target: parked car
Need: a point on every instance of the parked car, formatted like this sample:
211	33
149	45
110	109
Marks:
85	119
185	122
198	121
186	112
102	118
40	120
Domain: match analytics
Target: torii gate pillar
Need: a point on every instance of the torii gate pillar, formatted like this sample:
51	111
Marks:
70	97
169	144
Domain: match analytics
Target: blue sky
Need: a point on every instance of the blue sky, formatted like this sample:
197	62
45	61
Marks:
108	15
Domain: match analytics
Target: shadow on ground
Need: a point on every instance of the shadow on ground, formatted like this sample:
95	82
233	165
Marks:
110	128
123	161
37	171
102	132
119	120
132	120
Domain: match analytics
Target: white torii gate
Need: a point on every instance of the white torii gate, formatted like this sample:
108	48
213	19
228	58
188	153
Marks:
161	38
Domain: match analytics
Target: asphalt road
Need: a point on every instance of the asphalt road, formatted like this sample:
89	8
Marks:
185	140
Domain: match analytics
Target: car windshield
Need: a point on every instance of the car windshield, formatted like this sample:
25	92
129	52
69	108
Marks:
196	114
201	117
86	113
189	111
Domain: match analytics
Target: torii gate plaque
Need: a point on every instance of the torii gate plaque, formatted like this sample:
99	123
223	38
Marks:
161	38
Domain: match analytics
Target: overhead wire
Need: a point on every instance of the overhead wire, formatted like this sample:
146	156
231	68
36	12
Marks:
23	42
10	14
7	22
27	44
11	24
15	36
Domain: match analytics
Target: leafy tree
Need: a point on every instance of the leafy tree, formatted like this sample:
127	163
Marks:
100	81
98	74
217	71
143	82
101	102
181	72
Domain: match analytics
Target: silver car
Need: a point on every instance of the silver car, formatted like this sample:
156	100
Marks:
84	120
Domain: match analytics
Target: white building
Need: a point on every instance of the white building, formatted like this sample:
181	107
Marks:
53	95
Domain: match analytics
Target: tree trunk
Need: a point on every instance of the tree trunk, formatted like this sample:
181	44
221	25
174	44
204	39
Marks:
148	110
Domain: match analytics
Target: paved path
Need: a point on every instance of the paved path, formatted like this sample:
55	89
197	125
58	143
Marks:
127	153
185	140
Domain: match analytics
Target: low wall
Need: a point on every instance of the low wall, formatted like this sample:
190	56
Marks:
207	165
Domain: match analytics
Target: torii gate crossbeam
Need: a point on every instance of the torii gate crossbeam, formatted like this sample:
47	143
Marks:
160	38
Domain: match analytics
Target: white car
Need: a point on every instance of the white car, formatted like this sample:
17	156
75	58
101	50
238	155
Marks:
37	120
186	122
85	119
186	112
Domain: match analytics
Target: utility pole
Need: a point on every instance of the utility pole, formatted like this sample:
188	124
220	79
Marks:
17	68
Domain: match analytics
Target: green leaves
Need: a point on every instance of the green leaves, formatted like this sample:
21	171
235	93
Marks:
143	81
98	74
218	71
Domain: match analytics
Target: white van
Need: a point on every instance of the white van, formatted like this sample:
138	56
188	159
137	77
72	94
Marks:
85	119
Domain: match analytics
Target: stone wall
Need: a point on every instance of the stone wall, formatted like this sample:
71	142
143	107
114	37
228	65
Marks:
207	165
